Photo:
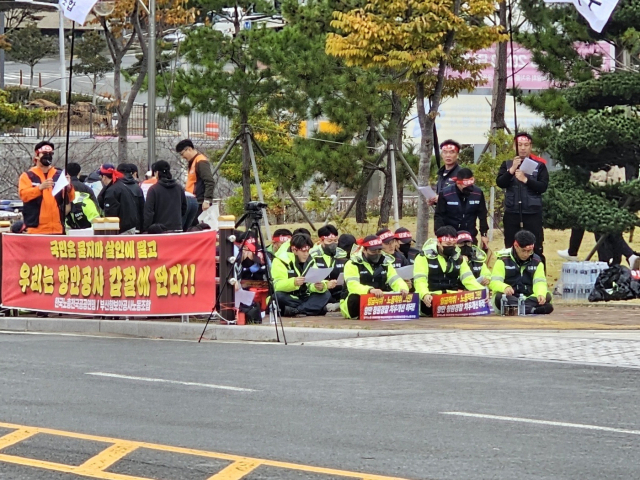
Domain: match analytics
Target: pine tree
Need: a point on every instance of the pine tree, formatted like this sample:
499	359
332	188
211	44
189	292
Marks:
29	46
91	59
592	120
428	41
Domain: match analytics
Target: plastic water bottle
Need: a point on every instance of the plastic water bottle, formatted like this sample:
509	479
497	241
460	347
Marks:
521	306
503	305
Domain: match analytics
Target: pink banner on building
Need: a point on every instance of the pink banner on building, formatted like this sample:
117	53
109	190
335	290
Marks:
527	75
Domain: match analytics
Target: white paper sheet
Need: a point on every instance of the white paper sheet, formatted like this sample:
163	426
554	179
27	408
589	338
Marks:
427	192
315	275
60	183
245	297
406	273
528	166
340	279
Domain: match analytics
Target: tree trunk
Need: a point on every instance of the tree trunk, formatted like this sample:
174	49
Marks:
499	92
246	162
361	204
31	77
426	129
93	90
387	196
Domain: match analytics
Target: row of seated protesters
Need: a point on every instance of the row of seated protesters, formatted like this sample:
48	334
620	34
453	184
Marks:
449	263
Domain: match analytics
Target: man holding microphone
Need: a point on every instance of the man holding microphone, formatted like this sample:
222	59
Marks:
524	180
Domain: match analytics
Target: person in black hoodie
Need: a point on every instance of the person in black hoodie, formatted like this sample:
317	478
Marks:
116	200
166	201
132	184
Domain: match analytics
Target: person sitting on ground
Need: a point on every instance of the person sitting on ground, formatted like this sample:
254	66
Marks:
18	227
327	255
440	268
389	246
157	229
475	257
520	271
346	241
369	271
166	202
201	227
405	242
251	265
280	237
294	296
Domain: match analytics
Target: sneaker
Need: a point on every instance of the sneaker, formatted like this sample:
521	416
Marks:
565	254
634	262
333	307
290	312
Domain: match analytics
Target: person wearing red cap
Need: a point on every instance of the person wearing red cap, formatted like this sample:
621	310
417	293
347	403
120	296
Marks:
476	258
369	271
116	200
295	297
441	269
523	194
280	237
518	271
390	247
447	173
42	212
251	265
405	244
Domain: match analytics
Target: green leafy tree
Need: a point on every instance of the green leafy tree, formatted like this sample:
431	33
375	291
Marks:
593	122
91	59
428	42
29	46
357	100
229	75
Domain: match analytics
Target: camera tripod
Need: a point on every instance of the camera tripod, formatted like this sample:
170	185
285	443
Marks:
253	218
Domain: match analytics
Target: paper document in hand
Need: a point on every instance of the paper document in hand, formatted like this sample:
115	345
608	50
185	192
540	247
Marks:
245	297
427	192
528	166
60	183
315	275
340	280
405	273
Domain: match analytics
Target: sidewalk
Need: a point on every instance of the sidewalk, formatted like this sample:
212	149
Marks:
567	316
620	317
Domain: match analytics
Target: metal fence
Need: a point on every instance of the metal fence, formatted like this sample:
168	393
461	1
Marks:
92	121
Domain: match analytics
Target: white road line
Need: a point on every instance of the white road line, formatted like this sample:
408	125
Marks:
162	380
543	422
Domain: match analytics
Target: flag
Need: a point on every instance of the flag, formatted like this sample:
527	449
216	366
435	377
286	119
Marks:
76	10
596	12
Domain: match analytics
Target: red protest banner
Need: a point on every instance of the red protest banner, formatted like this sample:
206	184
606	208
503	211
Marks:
133	275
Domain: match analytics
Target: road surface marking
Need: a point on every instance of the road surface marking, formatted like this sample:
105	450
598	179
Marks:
94	467
108	457
15	437
236	470
175	382
543	422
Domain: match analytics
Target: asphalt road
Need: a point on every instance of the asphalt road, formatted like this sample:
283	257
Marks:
370	411
49	69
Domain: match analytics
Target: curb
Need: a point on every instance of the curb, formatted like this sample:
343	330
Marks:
186	331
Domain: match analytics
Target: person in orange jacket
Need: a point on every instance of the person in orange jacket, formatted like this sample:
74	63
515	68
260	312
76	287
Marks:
42	211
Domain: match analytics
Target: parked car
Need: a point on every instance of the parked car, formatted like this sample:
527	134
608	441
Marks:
11	205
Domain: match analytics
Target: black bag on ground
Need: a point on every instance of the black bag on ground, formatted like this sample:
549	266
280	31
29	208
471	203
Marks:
615	283
251	313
